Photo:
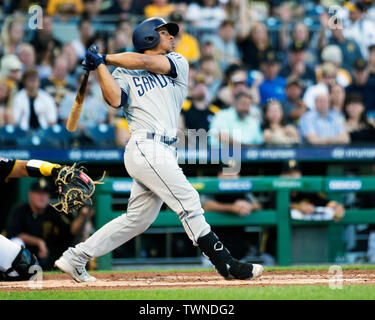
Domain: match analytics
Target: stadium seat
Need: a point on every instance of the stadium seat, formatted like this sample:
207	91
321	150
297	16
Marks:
9	135
103	135
36	141
58	133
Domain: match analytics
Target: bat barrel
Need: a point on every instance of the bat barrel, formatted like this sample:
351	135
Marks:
75	113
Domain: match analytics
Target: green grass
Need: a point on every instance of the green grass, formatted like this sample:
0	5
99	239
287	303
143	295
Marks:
348	292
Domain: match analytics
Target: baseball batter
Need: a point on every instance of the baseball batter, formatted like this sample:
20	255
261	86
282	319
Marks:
151	85
16	262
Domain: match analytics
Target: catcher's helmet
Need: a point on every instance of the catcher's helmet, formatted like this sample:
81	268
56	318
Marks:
145	35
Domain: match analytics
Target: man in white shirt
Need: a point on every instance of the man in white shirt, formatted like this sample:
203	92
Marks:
33	108
329	74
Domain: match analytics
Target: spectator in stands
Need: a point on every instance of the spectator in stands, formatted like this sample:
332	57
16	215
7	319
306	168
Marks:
86	32
371	64
206	15
210	70
360	129
64	7
239	204
10	74
197	113
26	54
208	50
93	112
122	39
337	98
253	44
186	44
360	29
159	8
363	86
285	14
300	35
322	125
5	114
350	50
36	224
33	108
307	203
275	130
11	35
293	106
297	66
332	54
92	8
47	47
57	85
237	83
236	125
328	78
233	8
273	85
286	35
224	42
71	57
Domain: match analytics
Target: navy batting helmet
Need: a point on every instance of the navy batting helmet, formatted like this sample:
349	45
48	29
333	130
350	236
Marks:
145	35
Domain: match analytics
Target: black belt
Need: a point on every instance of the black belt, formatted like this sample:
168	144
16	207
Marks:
163	139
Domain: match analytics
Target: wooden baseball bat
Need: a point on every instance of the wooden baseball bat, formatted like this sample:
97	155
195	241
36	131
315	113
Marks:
75	113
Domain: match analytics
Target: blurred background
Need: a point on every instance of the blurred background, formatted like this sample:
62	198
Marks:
295	79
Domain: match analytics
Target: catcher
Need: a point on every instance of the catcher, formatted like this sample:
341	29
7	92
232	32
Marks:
75	190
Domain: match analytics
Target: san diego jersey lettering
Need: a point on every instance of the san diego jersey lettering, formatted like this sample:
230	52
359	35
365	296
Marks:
158	110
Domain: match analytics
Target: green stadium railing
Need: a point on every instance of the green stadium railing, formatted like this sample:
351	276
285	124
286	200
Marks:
279	217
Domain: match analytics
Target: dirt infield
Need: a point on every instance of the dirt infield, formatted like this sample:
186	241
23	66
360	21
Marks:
171	280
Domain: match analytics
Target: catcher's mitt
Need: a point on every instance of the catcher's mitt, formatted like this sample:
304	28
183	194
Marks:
75	188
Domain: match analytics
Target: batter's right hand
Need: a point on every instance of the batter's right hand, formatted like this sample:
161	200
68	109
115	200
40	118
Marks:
93	58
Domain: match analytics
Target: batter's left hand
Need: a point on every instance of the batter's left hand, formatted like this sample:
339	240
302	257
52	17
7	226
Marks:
88	66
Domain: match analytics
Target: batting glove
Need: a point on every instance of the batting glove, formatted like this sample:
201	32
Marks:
93	58
88	66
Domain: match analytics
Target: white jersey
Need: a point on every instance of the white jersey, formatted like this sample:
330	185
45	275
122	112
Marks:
154	100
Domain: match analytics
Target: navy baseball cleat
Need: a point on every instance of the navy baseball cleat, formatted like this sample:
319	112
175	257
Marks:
243	271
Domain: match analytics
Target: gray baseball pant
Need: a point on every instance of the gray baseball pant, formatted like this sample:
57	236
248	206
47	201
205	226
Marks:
157	179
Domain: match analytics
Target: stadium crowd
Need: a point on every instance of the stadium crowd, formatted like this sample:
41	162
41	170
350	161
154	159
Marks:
280	72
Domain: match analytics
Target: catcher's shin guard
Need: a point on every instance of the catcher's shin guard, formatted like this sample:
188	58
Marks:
22	264
224	263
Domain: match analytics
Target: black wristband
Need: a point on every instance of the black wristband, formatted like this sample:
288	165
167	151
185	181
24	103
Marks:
104	57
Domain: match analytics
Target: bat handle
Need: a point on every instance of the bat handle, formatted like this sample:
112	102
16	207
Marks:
82	88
